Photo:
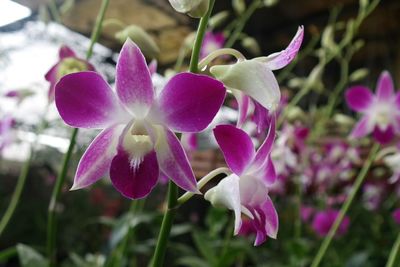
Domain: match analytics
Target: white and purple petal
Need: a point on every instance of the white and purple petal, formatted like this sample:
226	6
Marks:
96	160
279	60
237	147
189	102
385	87
173	160
133	80
85	100
264	150
362	128
384	136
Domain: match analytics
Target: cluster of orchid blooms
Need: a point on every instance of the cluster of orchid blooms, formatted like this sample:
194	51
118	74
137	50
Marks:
140	123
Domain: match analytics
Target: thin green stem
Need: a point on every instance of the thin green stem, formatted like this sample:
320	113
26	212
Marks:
242	22
346	205
393	253
201	31
159	254
52	216
166	225
54	11
16	194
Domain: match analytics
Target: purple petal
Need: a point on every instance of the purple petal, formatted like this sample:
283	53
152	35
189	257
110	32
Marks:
237	147
279	60
173	160
153	67
84	99
260	117
133	80
359	98
243	103
385	87
265	221
265	149
397	100
189	102
362	128
134	181
269	172
65	51
51	77
96	160
384	136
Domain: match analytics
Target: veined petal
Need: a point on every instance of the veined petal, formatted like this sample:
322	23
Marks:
279	60
66	51
362	128
97	158
133	80
134	181
173	160
227	194
359	98
252	78
85	100
385	87
263	152
189	102
384	136
237	147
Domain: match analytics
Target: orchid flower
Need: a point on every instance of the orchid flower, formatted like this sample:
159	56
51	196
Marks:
67	63
137	143
380	112
254	80
212	42
324	220
246	189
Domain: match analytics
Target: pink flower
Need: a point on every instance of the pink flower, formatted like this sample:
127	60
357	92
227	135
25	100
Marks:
380	112
68	63
324	220
246	189
137	144
212	42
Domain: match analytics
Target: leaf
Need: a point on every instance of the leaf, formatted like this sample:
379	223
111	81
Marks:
203	245
28	257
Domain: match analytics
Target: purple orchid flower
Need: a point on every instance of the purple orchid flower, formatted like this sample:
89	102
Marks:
212	41
324	220
246	189
137	143
253	80
67	63
381	112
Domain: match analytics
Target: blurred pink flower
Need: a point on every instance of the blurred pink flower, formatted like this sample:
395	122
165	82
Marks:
324	220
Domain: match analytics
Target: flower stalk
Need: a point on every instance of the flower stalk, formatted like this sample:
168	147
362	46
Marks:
346	205
394	252
52	220
170	213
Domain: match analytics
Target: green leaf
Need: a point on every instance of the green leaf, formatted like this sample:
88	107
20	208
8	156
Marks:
192	262
203	245
28	257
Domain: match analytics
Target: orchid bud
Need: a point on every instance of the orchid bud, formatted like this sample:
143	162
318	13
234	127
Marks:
251	45
141	38
218	19
358	75
239	6
194	8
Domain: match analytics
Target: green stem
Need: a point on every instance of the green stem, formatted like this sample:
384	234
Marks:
242	22
54	11
166	225
393	253
346	205
297	224
159	254
201	31
52	218
16	194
